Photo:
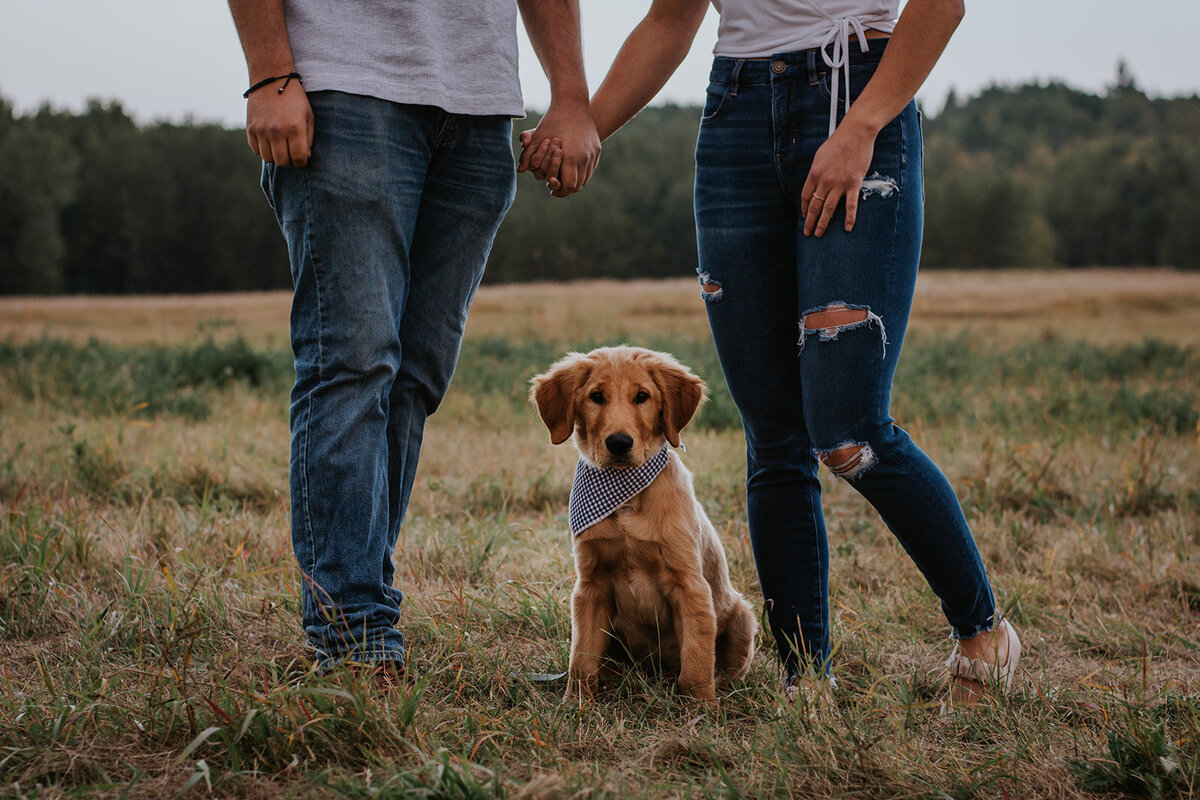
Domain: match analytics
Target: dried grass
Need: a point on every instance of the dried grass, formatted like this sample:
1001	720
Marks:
148	608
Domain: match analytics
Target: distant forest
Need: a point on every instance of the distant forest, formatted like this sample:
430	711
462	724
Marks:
1024	176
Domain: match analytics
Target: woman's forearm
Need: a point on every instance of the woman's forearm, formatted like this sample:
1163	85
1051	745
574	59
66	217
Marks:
921	33
650	55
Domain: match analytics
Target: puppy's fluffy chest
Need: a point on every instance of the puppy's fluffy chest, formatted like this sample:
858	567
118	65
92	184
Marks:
623	554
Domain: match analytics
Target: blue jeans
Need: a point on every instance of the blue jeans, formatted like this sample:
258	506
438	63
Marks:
807	390
388	229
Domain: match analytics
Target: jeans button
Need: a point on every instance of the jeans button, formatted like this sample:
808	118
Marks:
778	67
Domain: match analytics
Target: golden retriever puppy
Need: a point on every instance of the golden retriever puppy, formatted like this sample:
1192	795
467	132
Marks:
651	578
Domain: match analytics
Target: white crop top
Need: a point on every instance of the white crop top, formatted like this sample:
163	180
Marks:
762	28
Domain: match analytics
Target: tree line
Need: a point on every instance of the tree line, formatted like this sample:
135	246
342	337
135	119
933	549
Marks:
1026	176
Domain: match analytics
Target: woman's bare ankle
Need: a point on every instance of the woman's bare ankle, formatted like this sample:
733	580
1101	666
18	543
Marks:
990	646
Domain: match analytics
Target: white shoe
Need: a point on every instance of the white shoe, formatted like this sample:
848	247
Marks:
812	693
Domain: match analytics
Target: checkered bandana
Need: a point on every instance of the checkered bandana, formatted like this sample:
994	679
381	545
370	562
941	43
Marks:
596	492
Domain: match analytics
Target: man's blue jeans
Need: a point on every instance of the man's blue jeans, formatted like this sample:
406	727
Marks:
388	230
807	390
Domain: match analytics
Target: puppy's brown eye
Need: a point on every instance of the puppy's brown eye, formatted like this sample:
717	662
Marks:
597	398
641	397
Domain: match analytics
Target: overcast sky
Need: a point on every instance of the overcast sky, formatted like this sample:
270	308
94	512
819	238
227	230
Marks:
175	59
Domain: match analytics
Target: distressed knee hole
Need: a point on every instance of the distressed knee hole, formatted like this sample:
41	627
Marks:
710	290
848	461
829	320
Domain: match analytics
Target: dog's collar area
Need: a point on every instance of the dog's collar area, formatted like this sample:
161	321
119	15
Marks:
596	493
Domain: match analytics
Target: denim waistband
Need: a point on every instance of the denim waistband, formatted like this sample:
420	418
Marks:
744	71
837	58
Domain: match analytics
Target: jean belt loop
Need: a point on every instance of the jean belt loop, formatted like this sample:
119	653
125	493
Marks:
733	78
811	66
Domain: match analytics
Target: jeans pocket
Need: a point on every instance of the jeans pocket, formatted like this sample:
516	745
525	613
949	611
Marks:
823	84
268	183
860	74
716	103
921	134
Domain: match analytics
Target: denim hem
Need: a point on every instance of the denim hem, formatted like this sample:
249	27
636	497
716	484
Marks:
991	625
326	662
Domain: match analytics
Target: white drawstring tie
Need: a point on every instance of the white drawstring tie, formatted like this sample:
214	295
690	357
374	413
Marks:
839	37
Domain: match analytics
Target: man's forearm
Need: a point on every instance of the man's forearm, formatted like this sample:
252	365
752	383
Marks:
279	124
554	32
262	30
553	27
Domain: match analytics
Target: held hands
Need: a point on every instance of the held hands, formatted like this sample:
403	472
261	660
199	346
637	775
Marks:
837	173
279	125
562	150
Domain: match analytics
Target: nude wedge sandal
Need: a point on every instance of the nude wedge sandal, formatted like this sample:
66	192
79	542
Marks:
987	674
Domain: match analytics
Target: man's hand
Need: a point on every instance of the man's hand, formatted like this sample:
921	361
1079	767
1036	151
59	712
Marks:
279	127
553	27
567	150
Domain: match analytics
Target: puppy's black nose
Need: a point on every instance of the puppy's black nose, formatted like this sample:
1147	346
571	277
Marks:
619	443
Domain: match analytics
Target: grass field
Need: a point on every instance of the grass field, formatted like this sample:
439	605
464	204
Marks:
148	599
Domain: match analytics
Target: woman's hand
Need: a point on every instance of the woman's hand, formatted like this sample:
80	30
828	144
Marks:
544	160
837	173
840	164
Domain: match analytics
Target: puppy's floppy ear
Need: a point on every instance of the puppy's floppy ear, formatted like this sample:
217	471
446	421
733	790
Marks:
553	392
682	394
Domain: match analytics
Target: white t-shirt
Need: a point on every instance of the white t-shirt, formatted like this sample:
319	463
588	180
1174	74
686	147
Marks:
762	28
457	55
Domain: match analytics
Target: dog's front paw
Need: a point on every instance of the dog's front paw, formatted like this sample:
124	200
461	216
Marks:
705	691
581	688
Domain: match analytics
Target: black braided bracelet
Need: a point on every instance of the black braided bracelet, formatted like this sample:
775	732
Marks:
285	78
